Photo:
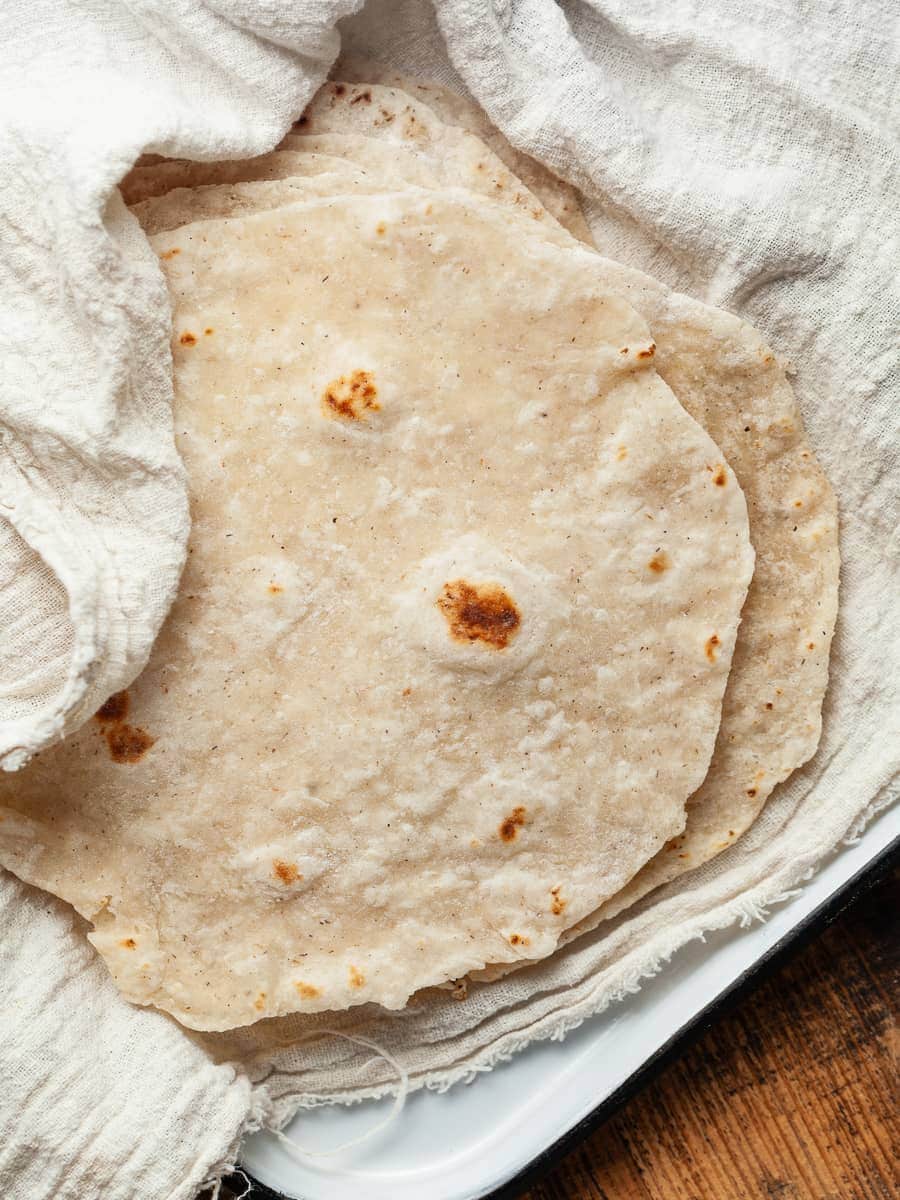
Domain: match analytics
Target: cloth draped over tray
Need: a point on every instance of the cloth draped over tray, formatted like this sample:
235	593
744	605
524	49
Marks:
749	162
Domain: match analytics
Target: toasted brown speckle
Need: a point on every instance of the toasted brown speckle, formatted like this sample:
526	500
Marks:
171	253
648	353
798	504
275	588
659	563
710	648
362	98
769	704
381	228
558	905
188	339
285	871
208	331
621	454
115	708
351	397
339	89
127	743
518	939
260	1002
751	792
128	943
720	478
810	645
481	612
357	979
306	990
510	827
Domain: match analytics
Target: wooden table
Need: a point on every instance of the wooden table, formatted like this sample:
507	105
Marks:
789	1097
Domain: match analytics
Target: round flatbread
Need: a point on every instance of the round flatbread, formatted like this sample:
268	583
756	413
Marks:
450	647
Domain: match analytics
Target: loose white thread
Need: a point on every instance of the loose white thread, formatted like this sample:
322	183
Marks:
303	1152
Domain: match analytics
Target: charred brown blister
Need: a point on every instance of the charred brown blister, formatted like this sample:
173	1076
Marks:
479	612
114	709
510	826
127	743
285	871
351	397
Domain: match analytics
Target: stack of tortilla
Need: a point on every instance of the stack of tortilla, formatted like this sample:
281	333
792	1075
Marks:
509	595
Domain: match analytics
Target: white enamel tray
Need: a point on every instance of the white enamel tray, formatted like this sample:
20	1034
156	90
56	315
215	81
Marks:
488	1138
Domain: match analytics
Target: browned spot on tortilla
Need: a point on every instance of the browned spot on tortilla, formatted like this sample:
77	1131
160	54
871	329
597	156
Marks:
720	478
659	562
407	691
674	843
208	331
511	825
188	339
518	939
558	905
769	704
357	979
362	97
624	350
127	743
381	228
339	89
260	1002
648	353
810	645
751	791
479	612
621	454
798	504
350	397
710	648
285	871
128	943
114	709
171	253
388	116
275	588
306	990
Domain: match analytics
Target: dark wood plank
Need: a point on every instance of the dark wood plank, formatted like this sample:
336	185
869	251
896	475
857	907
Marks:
790	1097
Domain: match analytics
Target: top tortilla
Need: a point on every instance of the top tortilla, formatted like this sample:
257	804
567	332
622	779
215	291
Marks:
450	648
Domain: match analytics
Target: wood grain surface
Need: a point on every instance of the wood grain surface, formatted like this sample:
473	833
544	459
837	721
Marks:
792	1096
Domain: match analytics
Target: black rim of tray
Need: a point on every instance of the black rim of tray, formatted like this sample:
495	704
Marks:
805	931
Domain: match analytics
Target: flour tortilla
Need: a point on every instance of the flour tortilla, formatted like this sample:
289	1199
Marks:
155	179
558	197
347	797
730	381
433	154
